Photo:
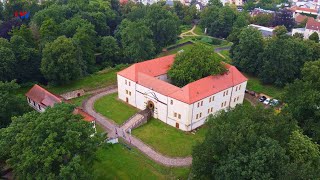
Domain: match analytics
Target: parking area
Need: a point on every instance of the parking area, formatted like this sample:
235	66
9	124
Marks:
262	99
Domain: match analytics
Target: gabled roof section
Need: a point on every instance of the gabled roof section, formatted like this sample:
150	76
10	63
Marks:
42	96
145	74
87	117
313	24
153	67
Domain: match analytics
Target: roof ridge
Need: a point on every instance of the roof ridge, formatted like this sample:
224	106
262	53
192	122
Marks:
48	92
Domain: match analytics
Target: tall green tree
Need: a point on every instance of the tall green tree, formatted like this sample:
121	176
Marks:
193	64
10	104
52	145
302	97
246	53
314	37
218	21
27	66
110	51
62	61
49	31
7	61
26	34
242	144
136	40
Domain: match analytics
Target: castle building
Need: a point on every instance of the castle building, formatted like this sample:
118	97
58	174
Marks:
147	85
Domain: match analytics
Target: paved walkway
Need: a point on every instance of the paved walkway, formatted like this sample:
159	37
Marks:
116	131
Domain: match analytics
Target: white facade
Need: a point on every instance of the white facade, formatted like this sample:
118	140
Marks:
174	112
35	105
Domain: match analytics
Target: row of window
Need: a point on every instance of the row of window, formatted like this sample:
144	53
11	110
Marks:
238	88
210	110
176	115
223	104
236	99
128	92
225	93
34	103
198	115
126	82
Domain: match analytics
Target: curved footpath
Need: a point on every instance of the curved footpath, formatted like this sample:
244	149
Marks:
115	131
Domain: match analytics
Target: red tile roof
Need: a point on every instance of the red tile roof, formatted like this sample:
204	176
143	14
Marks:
42	96
313	24
85	116
300	18
153	67
305	10
144	73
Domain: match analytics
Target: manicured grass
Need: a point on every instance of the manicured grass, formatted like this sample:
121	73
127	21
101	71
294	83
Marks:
254	84
94	81
99	128
112	108
185	28
198	31
118	162
78	101
174	51
167	139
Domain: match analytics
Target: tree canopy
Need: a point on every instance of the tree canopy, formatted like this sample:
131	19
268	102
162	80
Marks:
314	37
193	64
254	143
52	145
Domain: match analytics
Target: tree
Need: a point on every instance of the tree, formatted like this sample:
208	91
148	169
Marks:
7	62
52	145
193	64
49	31
280	31
136	40
218	21
26	34
62	61
85	37
163	24
314	37
284	17
242	144
27	66
10	104
263	19
110	51
216	3
302	97
7	26
246	53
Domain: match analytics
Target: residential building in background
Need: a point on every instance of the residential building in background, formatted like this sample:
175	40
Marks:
147	85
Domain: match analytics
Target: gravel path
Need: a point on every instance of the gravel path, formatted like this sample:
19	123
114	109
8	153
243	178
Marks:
115	131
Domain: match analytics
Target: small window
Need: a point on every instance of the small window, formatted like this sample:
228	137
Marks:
28	100
238	98
201	103
126	91
221	104
225	103
198	104
212	98
197	116
34	103
171	102
211	109
126	82
175	114
208	110
237	88
39	107
129	83
234	100
224	93
200	115
129	93
227	93
179	116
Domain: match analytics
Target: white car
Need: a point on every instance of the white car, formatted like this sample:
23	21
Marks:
267	101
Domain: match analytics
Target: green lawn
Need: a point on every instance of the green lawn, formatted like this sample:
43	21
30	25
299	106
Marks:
78	101
198	31
174	51
254	84
118	162
185	28
112	108
167	139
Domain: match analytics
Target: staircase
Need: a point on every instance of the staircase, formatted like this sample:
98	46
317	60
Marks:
137	120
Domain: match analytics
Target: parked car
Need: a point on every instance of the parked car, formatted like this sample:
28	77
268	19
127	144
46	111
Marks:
262	98
267	101
274	102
